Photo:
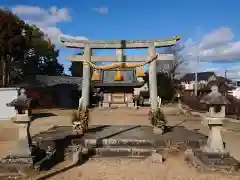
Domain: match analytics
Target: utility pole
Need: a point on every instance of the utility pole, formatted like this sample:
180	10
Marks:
225	73
196	77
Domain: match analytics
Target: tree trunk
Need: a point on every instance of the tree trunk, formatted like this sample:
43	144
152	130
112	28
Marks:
8	78
5	71
3	68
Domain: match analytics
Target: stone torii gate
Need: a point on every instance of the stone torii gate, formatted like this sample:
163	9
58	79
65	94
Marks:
119	45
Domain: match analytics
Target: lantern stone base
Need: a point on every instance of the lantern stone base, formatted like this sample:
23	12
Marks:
19	162
14	166
209	161
212	156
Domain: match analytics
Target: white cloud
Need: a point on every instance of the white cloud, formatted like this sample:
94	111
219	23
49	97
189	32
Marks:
216	45
46	20
101	10
41	16
217	37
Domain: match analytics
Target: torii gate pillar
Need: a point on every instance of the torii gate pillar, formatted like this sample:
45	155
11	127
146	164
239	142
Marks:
152	79
86	77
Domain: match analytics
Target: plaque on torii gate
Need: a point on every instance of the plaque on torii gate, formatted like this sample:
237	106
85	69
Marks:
119	45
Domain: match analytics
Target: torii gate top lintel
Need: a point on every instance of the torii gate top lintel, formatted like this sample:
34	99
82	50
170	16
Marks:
119	44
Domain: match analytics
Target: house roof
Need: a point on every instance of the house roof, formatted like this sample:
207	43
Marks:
45	81
56	80
220	83
220	78
202	76
29	81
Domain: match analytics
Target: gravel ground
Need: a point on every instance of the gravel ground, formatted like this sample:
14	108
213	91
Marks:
125	169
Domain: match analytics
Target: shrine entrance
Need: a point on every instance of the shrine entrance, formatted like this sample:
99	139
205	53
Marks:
118	87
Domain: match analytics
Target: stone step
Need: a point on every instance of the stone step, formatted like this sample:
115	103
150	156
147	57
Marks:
117	142
128	152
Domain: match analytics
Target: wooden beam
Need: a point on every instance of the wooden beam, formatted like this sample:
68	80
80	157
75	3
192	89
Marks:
115	58
115	44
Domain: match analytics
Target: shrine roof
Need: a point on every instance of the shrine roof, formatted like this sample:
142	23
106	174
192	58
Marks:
118	84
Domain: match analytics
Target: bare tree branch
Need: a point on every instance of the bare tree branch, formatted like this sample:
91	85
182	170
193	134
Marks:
178	59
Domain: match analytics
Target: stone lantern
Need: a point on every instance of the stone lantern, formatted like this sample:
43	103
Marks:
212	155
216	113
23	119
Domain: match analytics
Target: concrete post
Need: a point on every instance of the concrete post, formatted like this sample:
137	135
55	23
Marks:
152	79
86	77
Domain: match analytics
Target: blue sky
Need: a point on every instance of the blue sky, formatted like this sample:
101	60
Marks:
212	27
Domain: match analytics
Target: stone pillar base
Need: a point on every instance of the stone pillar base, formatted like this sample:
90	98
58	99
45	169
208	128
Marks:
105	105
207	161
130	104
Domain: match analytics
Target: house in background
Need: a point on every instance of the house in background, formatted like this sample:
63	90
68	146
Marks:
223	86
188	81
205	81
235	92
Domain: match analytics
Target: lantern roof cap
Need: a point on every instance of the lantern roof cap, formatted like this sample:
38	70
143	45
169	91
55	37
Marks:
214	97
